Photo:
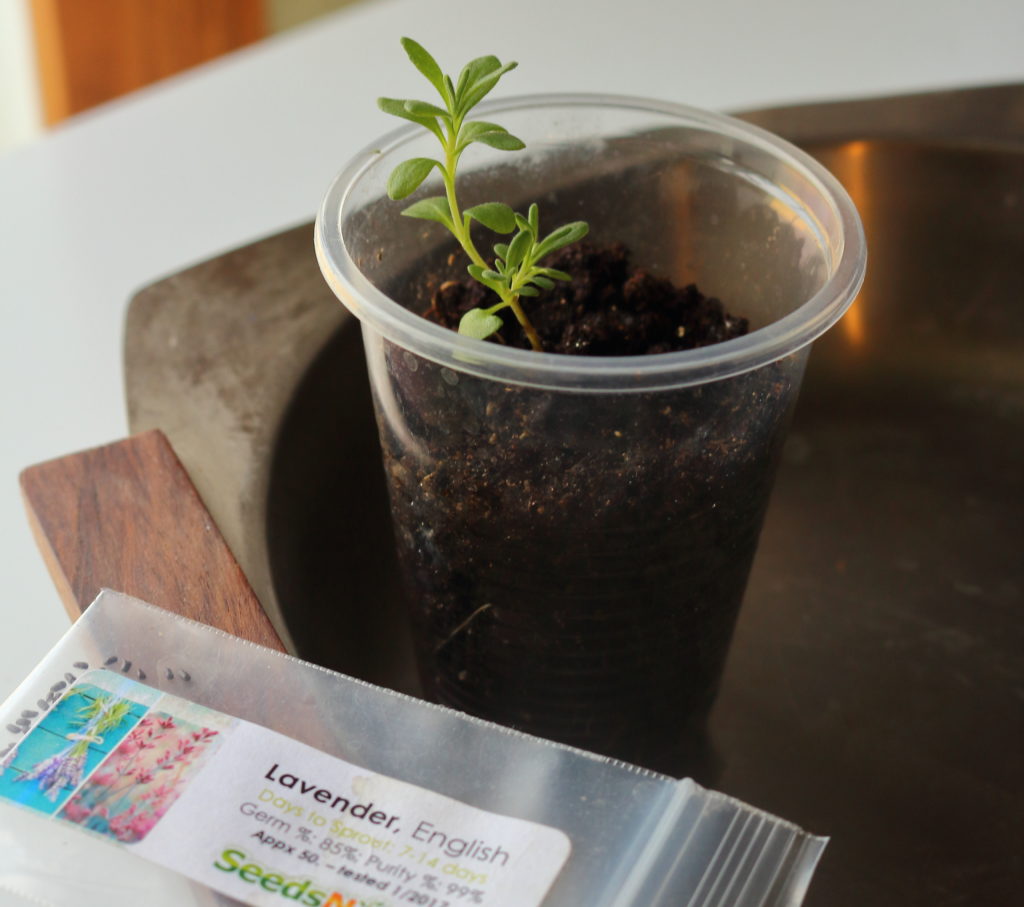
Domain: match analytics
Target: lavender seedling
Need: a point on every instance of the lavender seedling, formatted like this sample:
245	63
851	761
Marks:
516	270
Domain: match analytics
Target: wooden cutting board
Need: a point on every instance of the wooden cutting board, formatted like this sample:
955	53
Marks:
126	517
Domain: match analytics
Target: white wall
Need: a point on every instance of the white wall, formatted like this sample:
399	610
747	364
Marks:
20	117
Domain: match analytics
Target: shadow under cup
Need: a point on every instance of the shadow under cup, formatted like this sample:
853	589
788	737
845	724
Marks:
575	533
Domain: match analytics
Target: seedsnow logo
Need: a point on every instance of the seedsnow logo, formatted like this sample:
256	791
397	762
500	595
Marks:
301	891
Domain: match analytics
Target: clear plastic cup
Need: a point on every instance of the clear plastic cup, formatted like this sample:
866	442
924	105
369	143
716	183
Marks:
576	532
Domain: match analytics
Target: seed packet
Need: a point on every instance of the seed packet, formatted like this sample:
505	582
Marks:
150	759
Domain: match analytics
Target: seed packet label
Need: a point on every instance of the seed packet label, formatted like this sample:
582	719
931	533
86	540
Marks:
261	817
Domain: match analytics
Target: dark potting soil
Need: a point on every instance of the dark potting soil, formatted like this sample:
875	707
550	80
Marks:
610	308
575	562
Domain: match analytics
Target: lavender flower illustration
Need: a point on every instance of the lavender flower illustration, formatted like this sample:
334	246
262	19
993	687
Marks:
64	769
8	758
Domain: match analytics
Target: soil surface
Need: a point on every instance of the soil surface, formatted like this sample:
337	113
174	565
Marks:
610	308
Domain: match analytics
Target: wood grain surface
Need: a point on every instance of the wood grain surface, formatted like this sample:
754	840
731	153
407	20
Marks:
90	51
126	517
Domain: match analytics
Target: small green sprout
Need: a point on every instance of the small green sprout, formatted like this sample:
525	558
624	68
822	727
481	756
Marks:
516	269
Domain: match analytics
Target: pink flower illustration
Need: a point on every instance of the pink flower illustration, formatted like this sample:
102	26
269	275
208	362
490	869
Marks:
141	779
76	812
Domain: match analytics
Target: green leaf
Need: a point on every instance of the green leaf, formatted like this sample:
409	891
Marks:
544	283
495	216
518	248
555	273
474	128
563	236
406	178
425	63
528	291
479	324
478	90
503	141
475	70
533	216
477	273
522	223
396	108
423	109
435	209
501	250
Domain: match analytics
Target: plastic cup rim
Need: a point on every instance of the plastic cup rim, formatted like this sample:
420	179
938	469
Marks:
760	347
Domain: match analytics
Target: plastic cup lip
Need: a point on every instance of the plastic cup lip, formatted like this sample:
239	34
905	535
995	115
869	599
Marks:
484	359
